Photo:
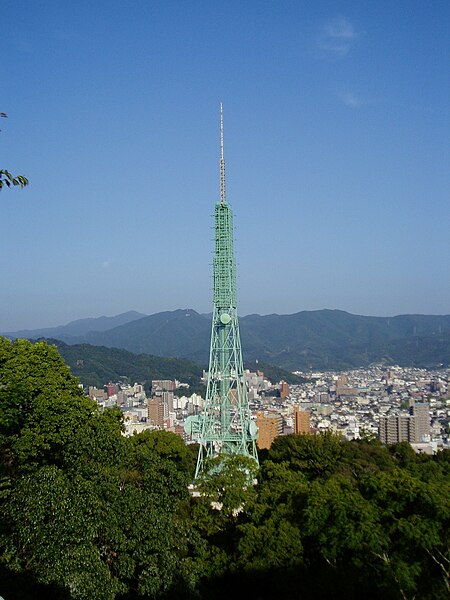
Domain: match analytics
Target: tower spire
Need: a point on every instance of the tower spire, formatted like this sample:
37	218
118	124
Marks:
225	426
223	197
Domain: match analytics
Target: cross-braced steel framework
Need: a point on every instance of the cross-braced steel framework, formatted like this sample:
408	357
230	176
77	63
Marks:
225	426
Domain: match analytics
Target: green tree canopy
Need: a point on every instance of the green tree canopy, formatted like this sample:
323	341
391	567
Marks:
88	513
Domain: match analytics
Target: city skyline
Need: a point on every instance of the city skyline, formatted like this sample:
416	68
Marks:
336	147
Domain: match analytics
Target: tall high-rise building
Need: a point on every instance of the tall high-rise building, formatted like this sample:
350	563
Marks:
155	411
164	389
421	412
112	389
397	428
167	398
301	420
284	390
413	427
270	426
225	426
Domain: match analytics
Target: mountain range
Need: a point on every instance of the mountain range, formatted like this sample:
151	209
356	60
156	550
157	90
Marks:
77	328
321	339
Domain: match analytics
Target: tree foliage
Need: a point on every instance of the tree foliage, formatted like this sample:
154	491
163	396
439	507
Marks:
89	513
7	179
85	511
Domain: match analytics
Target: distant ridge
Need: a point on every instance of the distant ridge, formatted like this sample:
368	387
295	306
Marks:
321	339
77	328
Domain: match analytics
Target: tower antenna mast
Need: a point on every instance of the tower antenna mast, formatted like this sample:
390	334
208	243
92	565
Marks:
225	426
223	195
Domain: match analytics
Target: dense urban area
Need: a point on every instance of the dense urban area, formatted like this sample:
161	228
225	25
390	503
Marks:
397	404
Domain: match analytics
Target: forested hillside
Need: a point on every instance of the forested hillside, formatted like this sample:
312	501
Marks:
321	339
89	514
97	365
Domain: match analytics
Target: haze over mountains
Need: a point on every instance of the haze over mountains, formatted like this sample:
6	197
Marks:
79	327
320	339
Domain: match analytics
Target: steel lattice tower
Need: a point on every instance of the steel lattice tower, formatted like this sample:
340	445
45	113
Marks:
225	426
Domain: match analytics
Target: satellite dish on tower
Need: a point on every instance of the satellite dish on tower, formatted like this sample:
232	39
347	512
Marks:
253	429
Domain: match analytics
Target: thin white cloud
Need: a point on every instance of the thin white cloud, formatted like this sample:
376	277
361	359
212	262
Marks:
337	37
106	263
350	99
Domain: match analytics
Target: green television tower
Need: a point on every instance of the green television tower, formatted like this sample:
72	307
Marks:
225	426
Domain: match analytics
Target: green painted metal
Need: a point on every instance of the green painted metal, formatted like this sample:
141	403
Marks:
225	425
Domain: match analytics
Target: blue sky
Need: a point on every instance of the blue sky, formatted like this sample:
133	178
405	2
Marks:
336	145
